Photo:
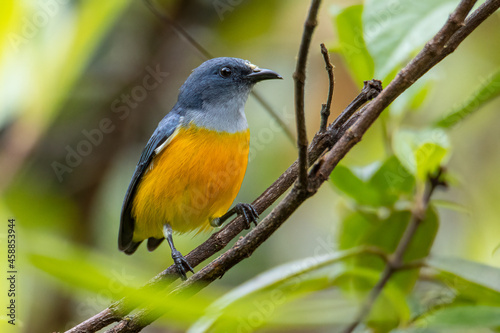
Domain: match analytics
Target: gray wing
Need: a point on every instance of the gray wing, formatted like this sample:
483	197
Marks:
165	129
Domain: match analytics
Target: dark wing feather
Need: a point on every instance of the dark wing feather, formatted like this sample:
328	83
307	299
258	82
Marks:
165	129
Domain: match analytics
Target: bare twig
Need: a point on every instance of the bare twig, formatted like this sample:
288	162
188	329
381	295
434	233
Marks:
300	78
371	88
205	54
396	262
325	109
405	78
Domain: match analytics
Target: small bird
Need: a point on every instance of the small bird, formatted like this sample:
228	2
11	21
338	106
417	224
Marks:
193	165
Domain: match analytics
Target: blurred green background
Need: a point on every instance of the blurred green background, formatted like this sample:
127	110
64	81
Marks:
68	68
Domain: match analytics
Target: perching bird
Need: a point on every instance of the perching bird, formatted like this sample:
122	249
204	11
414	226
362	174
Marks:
193	165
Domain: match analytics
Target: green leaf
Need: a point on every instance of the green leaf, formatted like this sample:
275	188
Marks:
82	269
369	230
351	44
472	283
293	276
353	228
388	183
394	30
390	307
346	181
392	181
412	98
450	205
421	152
489	90
462	317
484	275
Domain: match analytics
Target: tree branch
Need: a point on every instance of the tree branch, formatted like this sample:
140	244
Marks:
340	138
300	78
436	48
218	240
325	109
396	262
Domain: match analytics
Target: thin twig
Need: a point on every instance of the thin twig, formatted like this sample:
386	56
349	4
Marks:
325	109
405	78
300	78
371	88
205	54
396	263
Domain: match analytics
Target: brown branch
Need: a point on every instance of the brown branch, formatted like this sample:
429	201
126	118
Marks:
218	240
325	109
300	78
396	262
205	54
405	78
342	138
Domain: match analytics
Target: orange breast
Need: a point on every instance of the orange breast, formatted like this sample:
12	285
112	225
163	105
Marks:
194	179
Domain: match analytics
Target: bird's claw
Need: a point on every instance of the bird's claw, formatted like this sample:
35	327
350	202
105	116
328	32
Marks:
181	264
248	212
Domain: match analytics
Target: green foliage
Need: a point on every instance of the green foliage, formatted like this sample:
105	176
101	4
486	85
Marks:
421	152
462	317
98	274
384	188
276	287
351	44
394	30
489	90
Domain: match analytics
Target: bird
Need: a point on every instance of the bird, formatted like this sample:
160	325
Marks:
192	167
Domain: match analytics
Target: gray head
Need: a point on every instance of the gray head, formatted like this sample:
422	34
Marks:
216	92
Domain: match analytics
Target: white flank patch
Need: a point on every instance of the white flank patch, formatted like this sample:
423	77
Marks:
164	144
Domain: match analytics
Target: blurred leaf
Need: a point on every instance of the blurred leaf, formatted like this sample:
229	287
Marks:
392	180
346	181
462	317
384	188
351	44
489	90
80	270
354	227
450	205
484	275
58	211
421	152
412	98
393	30
390	307
326	308
238	19
473	283
10	10
266	287
385	234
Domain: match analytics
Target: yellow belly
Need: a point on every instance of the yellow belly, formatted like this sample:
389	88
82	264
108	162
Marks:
190	182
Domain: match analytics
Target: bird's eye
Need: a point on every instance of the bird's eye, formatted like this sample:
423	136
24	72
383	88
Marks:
225	72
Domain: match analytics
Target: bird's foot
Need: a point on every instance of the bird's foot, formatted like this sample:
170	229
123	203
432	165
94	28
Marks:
181	263
248	212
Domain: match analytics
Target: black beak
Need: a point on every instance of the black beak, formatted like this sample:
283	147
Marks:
263	74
